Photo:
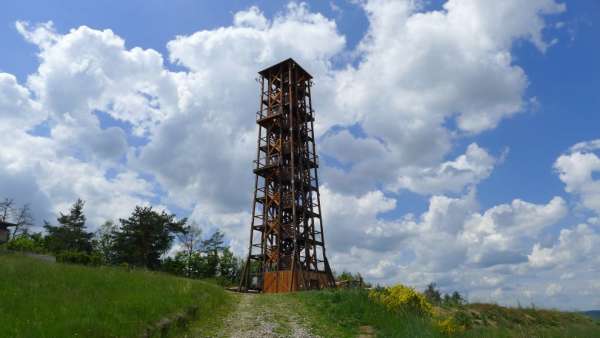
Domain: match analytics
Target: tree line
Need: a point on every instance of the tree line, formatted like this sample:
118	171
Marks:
434	296
141	240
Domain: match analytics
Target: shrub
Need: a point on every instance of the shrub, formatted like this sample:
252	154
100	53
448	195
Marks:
24	243
449	327
400	298
78	257
462	318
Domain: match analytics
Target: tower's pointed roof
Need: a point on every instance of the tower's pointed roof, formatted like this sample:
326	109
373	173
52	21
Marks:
265	71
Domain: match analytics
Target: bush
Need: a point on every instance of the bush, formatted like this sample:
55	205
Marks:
449	327
78	257
24	243
400	298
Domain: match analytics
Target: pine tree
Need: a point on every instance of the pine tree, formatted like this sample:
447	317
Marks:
433	294
212	247
145	236
70	235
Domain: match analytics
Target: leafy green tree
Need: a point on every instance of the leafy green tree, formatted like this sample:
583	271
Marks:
173	265
229	266
104	241
26	242
70	235
191	240
145	236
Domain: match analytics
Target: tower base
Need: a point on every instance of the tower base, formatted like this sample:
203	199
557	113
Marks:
282	281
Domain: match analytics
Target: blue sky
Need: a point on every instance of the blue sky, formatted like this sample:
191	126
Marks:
465	135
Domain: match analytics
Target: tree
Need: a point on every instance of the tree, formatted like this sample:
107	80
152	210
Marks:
20	217
145	236
432	294
70	235
191	239
23	220
457	299
104	241
348	279
212	247
447	300
214	243
229	266
6	209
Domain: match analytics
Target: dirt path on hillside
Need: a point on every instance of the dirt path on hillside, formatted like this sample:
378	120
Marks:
264	316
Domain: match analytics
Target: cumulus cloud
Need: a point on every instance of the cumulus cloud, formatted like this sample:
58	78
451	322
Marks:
87	70
576	170
451	234
418	70
36	163
466	170
217	97
573	246
17	109
79	73
487	253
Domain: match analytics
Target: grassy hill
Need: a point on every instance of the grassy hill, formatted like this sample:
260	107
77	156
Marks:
348	313
41	299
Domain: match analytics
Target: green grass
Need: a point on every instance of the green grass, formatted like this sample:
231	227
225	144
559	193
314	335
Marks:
41	299
498	321
340	313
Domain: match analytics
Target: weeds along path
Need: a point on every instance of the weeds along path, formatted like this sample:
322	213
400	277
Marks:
264	316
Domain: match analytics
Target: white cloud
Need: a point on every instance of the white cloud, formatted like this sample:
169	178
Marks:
217	97
252	18
466	170
41	34
553	289
574	246
419	70
576	170
17	109
87	70
450	236
79	72
60	179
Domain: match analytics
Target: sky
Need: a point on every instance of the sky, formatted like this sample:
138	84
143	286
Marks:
459	140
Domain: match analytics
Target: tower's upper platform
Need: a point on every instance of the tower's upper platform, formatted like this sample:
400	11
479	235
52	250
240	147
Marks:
285	63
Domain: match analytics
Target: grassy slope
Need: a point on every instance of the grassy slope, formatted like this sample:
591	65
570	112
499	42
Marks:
40	299
340	313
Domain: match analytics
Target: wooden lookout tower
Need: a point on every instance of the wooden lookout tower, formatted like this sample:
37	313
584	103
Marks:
287	247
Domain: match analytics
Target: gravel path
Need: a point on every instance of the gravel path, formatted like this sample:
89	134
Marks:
264	316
